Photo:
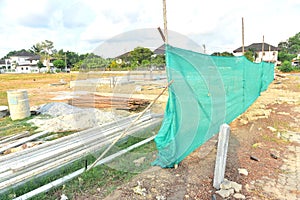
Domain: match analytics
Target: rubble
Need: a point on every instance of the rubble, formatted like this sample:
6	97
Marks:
239	196
225	193
139	190
243	171
228	188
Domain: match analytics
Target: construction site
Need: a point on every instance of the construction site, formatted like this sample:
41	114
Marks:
81	118
77	119
201	127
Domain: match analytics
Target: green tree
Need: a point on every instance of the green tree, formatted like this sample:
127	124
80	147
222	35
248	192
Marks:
11	53
249	55
225	53
139	54
113	64
59	64
294	44
158	60
285	56
72	58
45	50
36	49
289	49
40	65
286	66
94	61
145	63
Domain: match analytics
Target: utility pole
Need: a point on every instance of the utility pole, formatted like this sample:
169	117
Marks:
165	21
269	53
66	62
263	48
243	46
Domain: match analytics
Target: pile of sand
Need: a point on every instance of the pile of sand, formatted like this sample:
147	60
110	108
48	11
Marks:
59	117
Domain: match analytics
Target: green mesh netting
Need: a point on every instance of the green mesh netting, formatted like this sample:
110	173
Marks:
207	92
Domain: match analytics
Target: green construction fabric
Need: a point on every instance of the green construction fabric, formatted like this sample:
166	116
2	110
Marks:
207	91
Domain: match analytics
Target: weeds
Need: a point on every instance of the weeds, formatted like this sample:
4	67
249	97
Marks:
10	127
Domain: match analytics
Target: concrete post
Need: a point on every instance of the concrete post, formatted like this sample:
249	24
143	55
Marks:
221	155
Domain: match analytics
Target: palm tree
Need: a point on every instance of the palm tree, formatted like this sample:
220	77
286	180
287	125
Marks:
45	50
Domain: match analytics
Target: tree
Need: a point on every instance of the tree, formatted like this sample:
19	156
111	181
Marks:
285	56
36	49
59	64
94	61
286	67
158	60
289	49
249	55
40	65
139	54
44	49
11	53
294	44
146	63
225	54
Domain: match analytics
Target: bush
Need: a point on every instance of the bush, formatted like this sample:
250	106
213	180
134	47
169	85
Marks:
286	67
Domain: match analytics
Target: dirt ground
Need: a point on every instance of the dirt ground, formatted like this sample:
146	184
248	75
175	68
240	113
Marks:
261	132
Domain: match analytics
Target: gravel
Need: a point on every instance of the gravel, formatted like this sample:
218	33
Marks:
60	117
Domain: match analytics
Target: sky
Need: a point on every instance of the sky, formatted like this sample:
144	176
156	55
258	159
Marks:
82	25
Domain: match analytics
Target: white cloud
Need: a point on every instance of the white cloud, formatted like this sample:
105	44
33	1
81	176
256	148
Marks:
81	25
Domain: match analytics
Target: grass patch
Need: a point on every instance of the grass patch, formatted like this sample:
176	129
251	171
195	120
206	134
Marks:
3	98
273	139
27	81
10	127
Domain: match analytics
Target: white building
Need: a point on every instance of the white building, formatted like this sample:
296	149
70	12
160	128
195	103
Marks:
264	52
22	62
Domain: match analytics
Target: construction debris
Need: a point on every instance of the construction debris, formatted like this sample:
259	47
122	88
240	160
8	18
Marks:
139	190
243	171
22	141
22	166
99	101
22	147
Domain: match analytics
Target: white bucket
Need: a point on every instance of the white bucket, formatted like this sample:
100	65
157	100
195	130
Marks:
18	104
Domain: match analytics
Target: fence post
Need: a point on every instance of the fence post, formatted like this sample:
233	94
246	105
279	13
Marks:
221	155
